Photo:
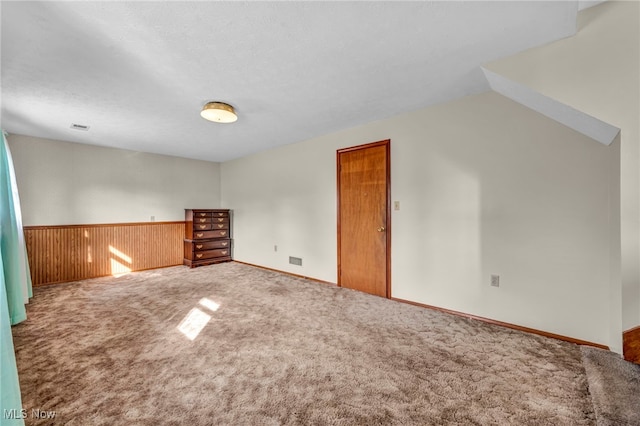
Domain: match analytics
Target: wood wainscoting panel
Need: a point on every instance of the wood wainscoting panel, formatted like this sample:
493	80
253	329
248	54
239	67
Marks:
75	252
631	345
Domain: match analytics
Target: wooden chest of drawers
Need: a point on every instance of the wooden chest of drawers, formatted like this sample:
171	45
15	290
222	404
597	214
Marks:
207	236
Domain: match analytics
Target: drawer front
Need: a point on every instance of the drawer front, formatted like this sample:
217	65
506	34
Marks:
208	245
218	226
220	214
197	214
208	254
220	219
202	227
211	234
199	220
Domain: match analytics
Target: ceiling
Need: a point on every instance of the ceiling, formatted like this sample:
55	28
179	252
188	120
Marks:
138	73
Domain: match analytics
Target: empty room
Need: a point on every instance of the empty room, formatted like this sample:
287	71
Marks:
320	213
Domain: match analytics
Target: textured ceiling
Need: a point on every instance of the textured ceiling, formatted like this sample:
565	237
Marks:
138	73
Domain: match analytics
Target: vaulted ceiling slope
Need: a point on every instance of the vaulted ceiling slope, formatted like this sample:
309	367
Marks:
138	73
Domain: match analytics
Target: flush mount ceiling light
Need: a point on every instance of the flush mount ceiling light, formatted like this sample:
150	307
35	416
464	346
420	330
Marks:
219	112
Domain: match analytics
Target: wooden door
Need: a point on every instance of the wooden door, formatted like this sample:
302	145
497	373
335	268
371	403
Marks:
364	237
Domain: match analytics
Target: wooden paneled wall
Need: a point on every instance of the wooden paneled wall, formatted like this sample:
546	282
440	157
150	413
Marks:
631	345
75	252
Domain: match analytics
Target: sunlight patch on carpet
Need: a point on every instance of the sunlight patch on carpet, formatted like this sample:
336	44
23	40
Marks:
209	304
193	323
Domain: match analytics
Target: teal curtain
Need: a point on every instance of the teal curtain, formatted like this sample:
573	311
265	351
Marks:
10	400
15	287
16	270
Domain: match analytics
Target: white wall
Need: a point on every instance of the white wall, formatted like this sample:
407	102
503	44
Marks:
285	197
486	186
597	71
64	183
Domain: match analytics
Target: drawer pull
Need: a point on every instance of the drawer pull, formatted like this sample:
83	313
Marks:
198	255
202	226
203	214
224	244
199	234
203	220
198	246
220	214
223	233
224	252
221	225
220	219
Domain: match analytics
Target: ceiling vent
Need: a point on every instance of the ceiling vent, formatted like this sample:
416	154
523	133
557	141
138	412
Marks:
79	127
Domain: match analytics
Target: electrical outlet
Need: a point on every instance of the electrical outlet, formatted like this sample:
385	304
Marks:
495	280
153	218
396	205
275	248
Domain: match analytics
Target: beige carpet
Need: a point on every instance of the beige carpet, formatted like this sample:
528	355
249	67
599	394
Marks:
278	350
614	385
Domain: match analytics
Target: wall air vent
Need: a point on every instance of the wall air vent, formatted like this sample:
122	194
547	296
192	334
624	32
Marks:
79	127
295	260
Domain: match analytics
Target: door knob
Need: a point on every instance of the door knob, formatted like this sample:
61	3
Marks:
381	229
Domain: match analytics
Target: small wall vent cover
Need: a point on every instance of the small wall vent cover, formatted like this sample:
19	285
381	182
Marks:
79	127
295	260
